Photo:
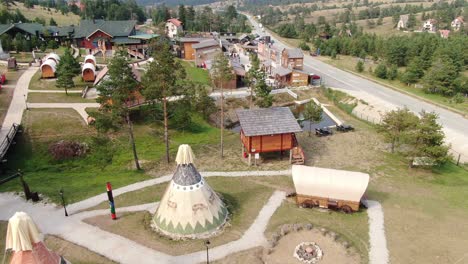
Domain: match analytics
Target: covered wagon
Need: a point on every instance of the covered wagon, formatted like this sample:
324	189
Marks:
48	68
88	73
90	59
52	56
329	188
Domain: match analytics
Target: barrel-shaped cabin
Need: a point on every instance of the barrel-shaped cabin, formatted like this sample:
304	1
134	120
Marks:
88	73
90	59
52	56
268	130
48	68
329	188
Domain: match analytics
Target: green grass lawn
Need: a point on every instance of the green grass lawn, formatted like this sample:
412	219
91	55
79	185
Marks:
57	98
195	74
37	83
243	198
84	177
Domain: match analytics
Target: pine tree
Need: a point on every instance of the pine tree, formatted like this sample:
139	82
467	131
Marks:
428	140
52	22
163	79
221	73
182	14
114	94
413	72
396	126
440	78
67	68
360	66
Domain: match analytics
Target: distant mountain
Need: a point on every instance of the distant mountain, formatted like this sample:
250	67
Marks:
175	2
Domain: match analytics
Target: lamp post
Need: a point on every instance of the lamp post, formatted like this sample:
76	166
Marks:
25	102
63	202
207	243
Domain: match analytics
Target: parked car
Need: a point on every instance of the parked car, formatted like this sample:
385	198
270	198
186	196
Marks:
344	128
322	132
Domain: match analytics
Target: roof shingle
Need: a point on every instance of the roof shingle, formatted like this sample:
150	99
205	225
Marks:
267	121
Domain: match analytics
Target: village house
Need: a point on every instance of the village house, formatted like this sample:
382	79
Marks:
430	25
173	28
403	22
444	33
29	30
457	23
206	51
102	37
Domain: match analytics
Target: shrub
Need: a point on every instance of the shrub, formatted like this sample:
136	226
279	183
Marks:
360	66
392	72
381	71
63	150
304	46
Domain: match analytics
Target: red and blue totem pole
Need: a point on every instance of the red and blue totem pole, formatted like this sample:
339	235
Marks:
111	201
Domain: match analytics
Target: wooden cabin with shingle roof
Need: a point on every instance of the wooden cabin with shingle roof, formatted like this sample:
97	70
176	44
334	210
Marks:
268	130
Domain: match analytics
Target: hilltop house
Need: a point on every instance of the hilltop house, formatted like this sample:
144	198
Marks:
403	22
173	27
457	23
430	25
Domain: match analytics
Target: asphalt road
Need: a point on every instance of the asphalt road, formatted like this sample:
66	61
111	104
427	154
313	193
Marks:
455	126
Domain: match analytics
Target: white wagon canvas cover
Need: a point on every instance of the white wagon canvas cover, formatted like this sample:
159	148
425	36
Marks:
329	183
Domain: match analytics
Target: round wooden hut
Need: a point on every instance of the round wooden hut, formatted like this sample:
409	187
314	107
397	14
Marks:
52	56
90	59
88	73
48	68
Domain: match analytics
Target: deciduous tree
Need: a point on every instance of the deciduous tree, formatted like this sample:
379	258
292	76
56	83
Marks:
396	126
312	113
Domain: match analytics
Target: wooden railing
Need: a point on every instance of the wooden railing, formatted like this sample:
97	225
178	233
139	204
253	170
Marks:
8	140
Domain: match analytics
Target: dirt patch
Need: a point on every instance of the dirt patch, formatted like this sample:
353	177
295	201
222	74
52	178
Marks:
333	252
73	252
251	256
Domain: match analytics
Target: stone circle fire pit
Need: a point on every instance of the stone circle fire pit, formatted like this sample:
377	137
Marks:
308	252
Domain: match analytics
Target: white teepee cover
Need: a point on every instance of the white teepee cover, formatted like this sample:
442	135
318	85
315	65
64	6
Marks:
22	232
189	207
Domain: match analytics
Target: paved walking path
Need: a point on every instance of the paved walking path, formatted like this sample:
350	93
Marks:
79	107
18	103
51	220
378	244
53	91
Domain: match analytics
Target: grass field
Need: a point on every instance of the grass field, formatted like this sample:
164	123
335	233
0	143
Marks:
57	98
243	197
37	83
41	12
195	74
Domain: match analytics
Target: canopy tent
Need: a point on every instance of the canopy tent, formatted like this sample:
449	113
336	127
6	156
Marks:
23	238
90	59
329	183
189	207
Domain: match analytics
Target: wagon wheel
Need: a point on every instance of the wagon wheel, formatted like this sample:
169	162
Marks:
308	204
346	209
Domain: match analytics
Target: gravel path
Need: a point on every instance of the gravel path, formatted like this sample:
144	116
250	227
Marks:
378	244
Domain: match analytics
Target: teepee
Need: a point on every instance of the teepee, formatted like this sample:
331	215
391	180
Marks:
24	240
189	207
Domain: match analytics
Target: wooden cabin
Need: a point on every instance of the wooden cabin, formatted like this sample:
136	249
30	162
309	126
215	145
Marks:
268	130
329	188
88	73
48	68
90	59
292	59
